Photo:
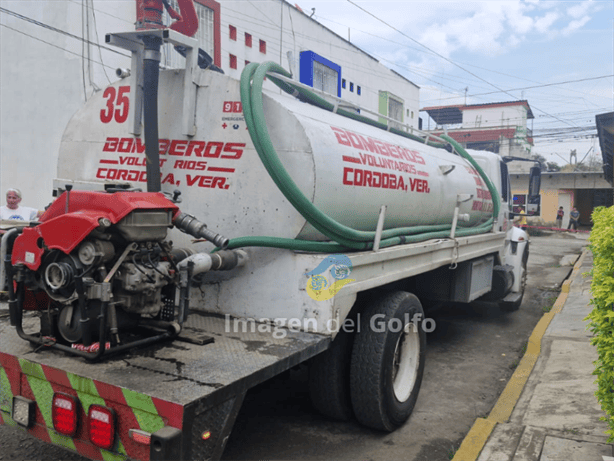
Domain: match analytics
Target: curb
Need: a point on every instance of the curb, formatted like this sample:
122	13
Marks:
478	435
559	229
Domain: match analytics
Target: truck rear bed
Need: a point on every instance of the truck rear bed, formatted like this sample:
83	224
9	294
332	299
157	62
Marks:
194	388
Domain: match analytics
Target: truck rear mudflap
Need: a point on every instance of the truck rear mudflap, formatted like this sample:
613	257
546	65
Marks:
176	400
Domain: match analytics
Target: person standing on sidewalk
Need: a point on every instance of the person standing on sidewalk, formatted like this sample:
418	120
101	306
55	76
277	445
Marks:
574	218
559	217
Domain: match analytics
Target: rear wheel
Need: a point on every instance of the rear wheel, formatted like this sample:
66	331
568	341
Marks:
329	379
388	361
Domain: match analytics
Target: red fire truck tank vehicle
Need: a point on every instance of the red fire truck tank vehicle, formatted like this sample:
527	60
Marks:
208	234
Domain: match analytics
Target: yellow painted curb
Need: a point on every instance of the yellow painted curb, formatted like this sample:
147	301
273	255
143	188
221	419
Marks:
574	272
474	441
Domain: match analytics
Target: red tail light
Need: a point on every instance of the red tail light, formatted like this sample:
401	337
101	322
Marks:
64	414
101	426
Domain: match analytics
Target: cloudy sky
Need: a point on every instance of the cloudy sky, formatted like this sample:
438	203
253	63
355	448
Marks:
558	55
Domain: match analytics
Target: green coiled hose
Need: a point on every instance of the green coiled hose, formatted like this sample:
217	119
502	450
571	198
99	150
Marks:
343	237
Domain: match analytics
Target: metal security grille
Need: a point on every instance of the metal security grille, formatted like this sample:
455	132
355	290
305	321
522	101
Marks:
204	35
395	109
325	78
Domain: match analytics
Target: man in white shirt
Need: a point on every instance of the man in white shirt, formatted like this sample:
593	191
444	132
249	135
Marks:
12	211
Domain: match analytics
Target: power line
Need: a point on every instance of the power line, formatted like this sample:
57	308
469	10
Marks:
83	49
51	44
443	57
427	48
104	12
427	76
548	84
55	29
347	63
99	48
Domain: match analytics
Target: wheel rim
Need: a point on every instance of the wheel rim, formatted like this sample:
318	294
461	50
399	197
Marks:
406	361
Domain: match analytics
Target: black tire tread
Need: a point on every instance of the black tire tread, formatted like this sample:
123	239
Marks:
367	367
329	381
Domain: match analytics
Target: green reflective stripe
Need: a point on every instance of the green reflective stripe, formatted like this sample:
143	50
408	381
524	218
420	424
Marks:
6	394
43	394
148	422
8	421
82	385
6	399
86	391
120	447
32	369
144	410
61	440
88	395
109	456
87	400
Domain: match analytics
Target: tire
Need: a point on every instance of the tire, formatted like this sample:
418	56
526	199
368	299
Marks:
329	379
515	305
388	363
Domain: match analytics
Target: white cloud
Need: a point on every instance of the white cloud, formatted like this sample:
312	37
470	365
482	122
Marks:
543	24
575	25
517	19
513	41
581	9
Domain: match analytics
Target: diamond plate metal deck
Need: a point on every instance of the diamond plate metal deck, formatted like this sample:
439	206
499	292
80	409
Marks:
181	372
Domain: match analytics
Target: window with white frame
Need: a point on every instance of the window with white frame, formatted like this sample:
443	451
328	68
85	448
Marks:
391	106
204	35
325	78
319	72
395	109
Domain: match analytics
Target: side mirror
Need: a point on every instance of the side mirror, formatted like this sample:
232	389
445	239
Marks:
535	176
534	199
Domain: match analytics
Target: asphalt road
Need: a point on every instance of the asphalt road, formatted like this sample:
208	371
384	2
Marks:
470	356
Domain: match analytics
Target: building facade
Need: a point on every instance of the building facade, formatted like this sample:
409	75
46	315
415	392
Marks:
54	57
582	190
497	127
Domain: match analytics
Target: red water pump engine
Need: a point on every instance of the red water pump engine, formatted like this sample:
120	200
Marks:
100	271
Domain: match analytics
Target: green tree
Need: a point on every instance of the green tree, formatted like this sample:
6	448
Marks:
553	166
541	159
602	316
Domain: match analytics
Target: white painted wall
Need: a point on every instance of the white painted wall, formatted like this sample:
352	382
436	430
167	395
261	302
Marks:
506	116
42	73
565	200
264	19
47	75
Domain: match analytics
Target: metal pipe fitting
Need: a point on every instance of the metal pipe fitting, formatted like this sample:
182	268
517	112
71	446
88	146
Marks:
190	225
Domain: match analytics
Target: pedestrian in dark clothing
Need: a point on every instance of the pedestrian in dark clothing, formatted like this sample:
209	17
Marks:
574	217
559	217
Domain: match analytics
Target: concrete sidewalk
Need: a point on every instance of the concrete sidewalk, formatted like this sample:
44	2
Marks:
548	411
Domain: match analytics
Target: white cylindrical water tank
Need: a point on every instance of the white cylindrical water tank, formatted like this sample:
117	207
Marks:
346	168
